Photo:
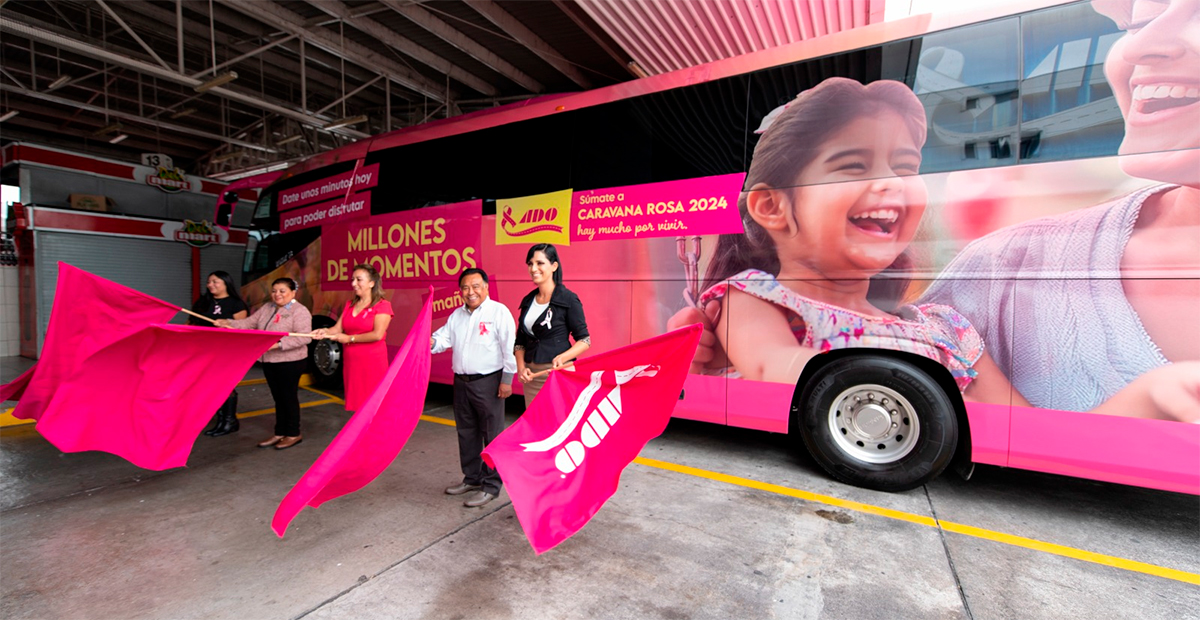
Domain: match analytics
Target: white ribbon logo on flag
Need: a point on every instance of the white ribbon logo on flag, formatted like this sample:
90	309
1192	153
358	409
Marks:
602	418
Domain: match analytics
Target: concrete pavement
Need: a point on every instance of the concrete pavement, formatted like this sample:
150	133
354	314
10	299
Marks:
91	536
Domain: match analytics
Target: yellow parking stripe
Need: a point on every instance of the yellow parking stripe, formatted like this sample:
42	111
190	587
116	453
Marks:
315	403
329	396
6	418
781	490
957	528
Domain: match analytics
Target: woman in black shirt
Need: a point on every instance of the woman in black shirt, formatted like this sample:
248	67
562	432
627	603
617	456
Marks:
548	315
222	301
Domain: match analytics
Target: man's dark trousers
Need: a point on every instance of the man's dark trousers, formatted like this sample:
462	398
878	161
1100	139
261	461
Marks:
479	417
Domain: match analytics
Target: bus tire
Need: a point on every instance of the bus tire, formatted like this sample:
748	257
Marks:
878	422
325	357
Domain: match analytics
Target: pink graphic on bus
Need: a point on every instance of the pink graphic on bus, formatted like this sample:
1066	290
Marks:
434	244
356	207
704	206
328	188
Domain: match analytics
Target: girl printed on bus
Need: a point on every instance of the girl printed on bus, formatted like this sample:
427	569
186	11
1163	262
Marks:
832	202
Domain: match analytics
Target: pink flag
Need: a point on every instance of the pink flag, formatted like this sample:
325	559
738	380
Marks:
15	388
147	397
563	458
88	314
374	435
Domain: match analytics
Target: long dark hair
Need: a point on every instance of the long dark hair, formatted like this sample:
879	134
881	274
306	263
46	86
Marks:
790	144
377	290
207	298
551	255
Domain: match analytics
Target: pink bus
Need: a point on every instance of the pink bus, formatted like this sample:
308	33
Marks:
916	245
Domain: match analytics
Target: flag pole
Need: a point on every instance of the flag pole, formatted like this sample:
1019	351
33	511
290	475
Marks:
567	366
214	322
198	315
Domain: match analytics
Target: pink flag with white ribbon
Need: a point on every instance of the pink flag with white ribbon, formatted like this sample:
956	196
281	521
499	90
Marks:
563	458
146	397
374	435
89	313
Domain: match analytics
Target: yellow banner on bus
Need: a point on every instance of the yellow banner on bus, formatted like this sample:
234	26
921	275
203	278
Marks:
544	218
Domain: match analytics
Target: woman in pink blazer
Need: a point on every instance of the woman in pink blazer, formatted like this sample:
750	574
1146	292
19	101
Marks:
284	362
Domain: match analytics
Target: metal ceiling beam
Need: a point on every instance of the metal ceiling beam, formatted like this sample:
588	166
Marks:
357	53
149	50
392	38
251	53
36	108
145	14
509	24
427	20
133	118
39	34
46	134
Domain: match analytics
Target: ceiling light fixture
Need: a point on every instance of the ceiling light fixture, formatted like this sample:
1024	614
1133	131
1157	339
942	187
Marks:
216	80
344	122
289	140
9	114
227	156
118	138
184	112
61	81
637	69
107	129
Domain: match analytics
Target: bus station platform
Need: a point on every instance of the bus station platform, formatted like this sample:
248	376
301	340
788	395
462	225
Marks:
711	522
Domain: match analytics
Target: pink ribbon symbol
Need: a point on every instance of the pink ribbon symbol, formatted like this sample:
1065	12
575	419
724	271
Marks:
507	221
483	329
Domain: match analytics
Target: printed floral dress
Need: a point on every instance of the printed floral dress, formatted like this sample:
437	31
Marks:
932	330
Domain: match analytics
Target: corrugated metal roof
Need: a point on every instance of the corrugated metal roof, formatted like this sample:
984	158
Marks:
666	35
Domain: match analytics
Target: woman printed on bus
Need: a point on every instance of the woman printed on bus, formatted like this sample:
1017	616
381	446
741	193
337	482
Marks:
547	315
285	361
362	331
1120	325
832	202
221	301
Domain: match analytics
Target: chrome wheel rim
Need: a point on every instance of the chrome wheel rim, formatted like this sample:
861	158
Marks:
326	356
873	424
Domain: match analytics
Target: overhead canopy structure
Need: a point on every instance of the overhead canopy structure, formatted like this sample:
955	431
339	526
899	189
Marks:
228	87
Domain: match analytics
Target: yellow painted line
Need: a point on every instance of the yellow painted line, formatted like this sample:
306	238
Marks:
957	528
790	492
7	419
1071	552
246	382
315	403
329	396
437	420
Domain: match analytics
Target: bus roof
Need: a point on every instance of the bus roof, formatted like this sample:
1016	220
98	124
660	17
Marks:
858	38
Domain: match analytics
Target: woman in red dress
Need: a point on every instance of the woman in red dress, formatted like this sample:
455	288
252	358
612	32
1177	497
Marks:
362	330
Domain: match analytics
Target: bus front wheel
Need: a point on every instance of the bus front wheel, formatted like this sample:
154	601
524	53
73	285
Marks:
878	422
325	358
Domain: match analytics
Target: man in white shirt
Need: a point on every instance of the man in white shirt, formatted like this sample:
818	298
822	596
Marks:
481	333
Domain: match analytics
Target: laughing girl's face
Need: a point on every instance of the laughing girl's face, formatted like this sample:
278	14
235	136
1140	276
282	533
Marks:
859	202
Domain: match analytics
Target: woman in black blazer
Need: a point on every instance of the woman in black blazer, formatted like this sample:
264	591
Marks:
548	314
